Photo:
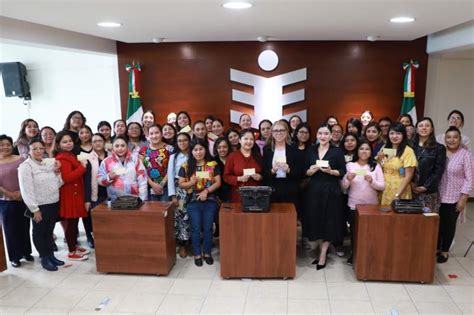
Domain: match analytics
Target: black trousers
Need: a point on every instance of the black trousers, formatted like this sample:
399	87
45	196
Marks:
17	229
43	230
448	217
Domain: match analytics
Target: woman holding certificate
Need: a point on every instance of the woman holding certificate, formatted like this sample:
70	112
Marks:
398	163
201	177
243	167
323	217
281	165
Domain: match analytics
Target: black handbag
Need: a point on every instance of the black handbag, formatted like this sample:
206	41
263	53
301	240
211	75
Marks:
127	202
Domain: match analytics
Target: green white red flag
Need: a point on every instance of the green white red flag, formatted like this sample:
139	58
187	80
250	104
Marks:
408	105
134	107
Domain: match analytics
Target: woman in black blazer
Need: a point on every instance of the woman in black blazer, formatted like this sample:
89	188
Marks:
282	165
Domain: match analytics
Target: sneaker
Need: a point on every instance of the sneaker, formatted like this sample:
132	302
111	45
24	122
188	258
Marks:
82	251
77	256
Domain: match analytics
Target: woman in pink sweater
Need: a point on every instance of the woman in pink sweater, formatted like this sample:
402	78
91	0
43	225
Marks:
363	180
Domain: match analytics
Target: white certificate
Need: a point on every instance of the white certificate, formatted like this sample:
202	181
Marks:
120	171
249	171
83	156
322	163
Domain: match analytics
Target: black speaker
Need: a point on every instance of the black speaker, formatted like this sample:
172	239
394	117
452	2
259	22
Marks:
14	79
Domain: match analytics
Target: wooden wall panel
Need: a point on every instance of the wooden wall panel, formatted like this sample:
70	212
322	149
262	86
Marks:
343	77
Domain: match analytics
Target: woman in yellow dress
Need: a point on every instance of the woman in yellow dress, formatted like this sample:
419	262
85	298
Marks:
398	165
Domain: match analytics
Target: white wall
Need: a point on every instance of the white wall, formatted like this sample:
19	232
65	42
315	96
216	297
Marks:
66	71
450	85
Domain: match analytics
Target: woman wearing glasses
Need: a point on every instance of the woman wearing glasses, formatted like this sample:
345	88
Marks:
281	164
456	119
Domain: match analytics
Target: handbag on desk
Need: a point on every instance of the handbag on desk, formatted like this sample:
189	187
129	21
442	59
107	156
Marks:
126	202
407	206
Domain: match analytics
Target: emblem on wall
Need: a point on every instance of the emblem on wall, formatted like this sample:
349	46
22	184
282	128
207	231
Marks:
268	99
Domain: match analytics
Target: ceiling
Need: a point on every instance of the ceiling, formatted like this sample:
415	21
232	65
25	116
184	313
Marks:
207	20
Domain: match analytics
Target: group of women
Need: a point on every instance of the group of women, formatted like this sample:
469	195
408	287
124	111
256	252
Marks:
197	166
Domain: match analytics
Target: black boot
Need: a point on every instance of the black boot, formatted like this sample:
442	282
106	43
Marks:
48	264
56	261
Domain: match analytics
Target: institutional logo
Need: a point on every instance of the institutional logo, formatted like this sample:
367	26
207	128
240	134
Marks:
268	99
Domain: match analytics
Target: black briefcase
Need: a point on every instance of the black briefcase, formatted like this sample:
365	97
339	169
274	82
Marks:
255	198
407	206
126	203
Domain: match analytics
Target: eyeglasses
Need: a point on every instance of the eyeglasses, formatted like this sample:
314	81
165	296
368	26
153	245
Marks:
455	118
279	131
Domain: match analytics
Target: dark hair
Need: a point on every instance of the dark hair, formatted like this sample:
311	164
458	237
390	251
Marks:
244	114
67	124
171	141
98	134
332	126
120	120
218	141
35	140
453	128
178	128
398	127
385	118
372	162
219	120
148	111
407	116
255	149
343	140
47	127
297	129
120	138
192	163
59	136
5	137
209	117
289	121
260	126
24	124
141	137
329	117
227	133
181	134
88	128
431	142
356	123
455	111
157	126
104	123
370	125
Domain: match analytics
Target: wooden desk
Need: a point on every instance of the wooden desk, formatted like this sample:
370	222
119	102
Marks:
393	246
135	241
3	258
258	245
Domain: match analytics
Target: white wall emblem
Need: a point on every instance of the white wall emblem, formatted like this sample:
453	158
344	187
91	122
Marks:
268	99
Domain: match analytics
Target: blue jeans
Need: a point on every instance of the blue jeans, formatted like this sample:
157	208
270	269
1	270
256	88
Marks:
202	214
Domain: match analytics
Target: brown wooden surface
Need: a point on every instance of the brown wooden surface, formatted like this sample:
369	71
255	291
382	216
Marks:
258	245
343	77
3	259
393	246
135	241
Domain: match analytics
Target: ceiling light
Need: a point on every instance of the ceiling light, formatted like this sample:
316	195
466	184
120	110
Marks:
402	19
237	5
262	39
372	38
157	40
109	24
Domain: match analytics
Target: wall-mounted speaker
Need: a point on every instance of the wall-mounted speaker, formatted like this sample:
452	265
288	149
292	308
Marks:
14	80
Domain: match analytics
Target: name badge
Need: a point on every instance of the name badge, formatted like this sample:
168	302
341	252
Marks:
249	171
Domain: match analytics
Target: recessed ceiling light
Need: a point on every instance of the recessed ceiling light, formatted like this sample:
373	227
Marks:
237	5
402	19
109	24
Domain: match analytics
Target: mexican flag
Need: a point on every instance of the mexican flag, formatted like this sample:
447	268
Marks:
408	105
134	107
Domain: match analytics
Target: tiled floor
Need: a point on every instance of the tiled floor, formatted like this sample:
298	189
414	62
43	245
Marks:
79	289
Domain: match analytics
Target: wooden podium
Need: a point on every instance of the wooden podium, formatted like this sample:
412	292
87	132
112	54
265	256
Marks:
3	258
258	245
392	246
138	241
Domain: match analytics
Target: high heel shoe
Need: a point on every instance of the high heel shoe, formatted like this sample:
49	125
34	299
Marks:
442	259
315	262
319	267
